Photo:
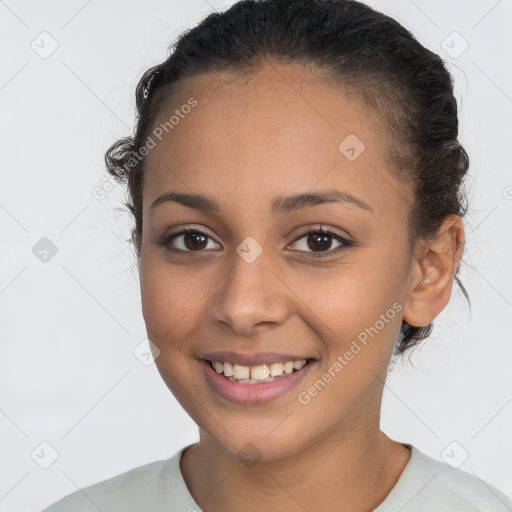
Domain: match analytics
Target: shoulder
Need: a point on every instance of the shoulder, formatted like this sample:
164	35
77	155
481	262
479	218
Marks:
427	484
142	488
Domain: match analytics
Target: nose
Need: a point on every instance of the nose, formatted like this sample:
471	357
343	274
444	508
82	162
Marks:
251	297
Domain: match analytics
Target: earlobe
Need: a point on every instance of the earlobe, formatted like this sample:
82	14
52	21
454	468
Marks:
433	271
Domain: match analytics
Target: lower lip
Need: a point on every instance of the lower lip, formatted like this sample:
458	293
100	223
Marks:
253	393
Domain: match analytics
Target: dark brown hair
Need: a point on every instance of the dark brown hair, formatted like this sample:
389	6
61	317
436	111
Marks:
349	45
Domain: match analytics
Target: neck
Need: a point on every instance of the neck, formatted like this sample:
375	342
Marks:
353	470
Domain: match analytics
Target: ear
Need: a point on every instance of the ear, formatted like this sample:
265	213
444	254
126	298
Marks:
433	271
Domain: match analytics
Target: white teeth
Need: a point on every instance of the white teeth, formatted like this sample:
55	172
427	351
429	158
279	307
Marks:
260	373
240	372
228	369
288	367
276	369
299	364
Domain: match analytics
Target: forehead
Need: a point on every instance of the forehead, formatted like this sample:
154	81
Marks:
281	130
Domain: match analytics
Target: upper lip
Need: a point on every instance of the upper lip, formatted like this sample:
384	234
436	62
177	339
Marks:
251	359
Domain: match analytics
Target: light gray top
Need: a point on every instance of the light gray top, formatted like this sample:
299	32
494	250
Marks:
425	485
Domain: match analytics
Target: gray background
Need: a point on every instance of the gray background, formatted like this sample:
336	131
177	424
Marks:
74	397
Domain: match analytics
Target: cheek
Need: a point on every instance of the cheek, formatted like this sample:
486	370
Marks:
171	306
357	343
355	311
347	297
171	300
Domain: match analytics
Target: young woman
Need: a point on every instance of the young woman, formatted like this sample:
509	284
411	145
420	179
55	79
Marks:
295	181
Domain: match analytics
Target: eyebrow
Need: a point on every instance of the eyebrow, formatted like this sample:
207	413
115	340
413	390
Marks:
280	205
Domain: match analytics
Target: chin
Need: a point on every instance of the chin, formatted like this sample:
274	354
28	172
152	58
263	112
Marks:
251	445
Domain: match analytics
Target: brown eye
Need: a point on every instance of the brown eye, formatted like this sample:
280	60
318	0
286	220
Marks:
317	241
188	241
194	241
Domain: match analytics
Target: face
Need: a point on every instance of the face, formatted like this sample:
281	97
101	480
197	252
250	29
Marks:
270	279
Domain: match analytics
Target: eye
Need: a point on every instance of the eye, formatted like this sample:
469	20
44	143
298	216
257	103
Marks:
320	241
314	241
188	240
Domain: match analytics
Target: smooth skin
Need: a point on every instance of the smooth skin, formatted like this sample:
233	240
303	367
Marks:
248	141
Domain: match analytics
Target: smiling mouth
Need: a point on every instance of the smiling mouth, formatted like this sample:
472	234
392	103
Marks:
257	374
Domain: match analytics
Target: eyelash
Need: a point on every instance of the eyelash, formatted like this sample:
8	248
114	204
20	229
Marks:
346	244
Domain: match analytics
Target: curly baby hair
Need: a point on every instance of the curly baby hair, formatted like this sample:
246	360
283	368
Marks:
349	45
